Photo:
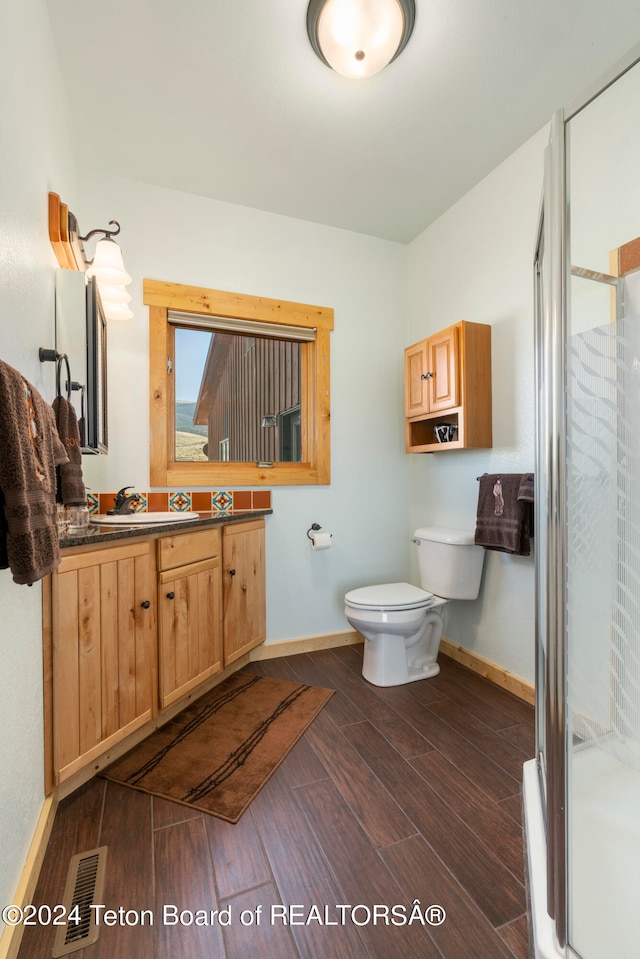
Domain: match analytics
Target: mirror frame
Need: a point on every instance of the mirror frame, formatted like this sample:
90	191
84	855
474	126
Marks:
161	297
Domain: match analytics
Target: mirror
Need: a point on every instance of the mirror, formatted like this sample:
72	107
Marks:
81	334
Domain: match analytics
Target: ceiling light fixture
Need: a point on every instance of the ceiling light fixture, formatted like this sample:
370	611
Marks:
108	268
358	38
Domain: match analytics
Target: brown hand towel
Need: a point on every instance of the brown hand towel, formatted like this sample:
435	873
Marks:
525	490
30	450
504	521
71	489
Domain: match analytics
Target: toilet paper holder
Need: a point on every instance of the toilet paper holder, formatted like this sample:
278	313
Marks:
314	528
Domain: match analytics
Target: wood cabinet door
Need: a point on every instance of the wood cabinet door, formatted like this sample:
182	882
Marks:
244	589
103	659
416	370
190	627
443	367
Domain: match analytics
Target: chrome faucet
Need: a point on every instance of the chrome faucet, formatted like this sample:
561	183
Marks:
124	504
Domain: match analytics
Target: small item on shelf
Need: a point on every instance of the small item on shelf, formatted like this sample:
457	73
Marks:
445	432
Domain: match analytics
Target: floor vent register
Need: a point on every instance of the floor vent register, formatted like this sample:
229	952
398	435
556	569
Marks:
83	889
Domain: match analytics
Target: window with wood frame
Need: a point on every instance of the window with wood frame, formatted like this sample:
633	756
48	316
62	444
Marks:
239	388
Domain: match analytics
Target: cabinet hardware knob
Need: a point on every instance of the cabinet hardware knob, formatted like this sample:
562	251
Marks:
146	604
232	572
170	595
426	376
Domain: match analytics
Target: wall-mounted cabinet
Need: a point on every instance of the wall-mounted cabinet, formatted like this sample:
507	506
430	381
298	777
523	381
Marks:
448	390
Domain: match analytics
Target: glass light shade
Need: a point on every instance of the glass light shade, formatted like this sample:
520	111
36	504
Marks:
107	265
117	311
360	37
113	294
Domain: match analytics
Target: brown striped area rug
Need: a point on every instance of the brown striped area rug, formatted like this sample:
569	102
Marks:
219	752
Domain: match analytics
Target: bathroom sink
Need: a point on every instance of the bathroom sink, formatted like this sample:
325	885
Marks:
136	519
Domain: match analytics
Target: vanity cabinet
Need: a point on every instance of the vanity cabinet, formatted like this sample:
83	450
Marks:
244	589
448	382
189	612
134	629
103	651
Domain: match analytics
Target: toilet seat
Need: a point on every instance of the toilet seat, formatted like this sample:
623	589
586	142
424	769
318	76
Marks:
389	596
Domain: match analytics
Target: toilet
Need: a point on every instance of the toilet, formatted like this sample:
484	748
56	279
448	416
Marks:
401	623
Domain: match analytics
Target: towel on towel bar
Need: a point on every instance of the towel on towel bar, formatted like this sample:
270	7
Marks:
504	517
71	489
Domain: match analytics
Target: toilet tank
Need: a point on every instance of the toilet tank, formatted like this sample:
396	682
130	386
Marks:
450	562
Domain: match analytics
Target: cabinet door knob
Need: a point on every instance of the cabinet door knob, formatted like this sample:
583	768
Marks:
232	572
146	604
170	595
426	376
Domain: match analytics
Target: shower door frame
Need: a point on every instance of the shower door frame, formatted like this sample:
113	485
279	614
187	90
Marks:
551	292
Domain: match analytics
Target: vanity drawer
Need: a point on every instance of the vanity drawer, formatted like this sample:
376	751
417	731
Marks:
184	548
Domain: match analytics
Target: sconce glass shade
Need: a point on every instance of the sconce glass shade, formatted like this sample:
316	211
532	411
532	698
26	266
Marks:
358	38
107	265
108	268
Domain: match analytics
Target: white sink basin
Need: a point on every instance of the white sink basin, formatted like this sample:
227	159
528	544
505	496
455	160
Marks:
136	519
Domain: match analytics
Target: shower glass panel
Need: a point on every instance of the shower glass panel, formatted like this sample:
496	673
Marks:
602	525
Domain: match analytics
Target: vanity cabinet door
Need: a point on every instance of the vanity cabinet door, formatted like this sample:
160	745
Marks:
244	589
103	642
190	627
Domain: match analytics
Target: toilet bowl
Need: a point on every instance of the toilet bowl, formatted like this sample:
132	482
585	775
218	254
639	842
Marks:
401	623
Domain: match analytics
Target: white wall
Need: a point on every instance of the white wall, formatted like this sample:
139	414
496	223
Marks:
187	239
475	263
35	159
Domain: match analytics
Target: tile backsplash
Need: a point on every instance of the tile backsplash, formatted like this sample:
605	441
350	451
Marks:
181	501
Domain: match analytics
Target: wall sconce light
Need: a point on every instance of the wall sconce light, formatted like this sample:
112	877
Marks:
268	420
108	269
358	38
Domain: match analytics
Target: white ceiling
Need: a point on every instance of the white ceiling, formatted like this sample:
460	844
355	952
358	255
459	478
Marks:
226	99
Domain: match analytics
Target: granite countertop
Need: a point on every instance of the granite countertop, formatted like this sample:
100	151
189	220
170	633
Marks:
96	534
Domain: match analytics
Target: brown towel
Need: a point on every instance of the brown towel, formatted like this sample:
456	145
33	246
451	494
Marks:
30	450
504	521
525	490
71	489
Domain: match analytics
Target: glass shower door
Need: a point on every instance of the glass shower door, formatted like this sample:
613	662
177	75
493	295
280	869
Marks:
602	525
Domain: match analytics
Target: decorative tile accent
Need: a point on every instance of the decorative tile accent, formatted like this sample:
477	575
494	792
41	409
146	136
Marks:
142	506
180	501
201	501
222	501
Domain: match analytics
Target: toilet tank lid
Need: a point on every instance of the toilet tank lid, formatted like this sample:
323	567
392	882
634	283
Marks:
441	534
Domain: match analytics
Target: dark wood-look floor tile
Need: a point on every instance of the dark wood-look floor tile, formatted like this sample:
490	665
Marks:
386	720
492	744
264	936
483	875
489	692
513	807
277	668
516	936
363	878
126	832
167	813
76	830
465	933
351	656
380	815
492	824
523	736
339	707
473	762
301	873
184	878
302	766
239	861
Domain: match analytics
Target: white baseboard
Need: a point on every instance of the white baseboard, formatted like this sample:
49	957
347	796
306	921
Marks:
24	894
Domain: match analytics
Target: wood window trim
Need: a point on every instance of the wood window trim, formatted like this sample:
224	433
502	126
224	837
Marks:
161	297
